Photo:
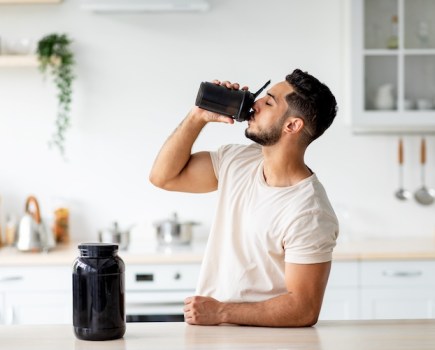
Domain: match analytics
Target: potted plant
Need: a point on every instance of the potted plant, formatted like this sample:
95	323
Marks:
55	56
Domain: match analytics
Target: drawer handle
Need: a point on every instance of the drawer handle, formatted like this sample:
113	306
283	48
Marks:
414	273
145	277
11	278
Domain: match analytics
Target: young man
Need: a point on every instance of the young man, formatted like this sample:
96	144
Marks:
269	251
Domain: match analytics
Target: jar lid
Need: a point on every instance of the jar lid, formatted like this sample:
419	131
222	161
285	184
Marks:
95	250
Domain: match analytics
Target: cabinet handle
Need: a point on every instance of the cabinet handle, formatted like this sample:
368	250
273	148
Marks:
11	278
414	273
144	277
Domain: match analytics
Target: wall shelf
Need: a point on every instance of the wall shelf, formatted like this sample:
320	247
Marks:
22	2
18	60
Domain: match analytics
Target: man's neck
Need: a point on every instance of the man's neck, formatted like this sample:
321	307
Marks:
284	167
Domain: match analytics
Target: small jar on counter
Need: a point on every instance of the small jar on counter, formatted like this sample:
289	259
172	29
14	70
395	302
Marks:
61	222
99	293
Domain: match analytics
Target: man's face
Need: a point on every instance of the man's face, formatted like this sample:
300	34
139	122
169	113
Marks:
270	114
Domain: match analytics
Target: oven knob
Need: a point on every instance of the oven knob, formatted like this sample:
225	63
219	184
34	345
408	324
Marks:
177	276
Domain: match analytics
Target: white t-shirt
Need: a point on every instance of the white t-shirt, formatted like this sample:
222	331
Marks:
257	228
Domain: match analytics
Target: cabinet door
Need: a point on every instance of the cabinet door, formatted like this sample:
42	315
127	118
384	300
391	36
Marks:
392	65
2	309
398	303
398	289
340	304
36	295
38	308
341	300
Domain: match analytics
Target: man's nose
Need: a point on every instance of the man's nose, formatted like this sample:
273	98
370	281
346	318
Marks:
256	105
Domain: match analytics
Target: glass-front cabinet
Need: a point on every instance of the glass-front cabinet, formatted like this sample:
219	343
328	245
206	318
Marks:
393	65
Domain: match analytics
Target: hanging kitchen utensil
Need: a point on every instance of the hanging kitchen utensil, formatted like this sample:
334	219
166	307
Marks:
32	233
424	195
401	193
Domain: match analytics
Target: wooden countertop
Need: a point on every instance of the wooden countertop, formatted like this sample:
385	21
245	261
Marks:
374	249
144	254
326	335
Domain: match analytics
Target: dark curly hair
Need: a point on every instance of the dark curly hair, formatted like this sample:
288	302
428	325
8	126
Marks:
311	101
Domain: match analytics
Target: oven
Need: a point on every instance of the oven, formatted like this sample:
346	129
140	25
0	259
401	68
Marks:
156	292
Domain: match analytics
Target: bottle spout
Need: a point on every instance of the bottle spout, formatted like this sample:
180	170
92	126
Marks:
261	89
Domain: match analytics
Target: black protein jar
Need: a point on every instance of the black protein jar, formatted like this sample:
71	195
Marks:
98	293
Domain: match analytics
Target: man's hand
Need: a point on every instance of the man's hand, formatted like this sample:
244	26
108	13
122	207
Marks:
202	311
207	116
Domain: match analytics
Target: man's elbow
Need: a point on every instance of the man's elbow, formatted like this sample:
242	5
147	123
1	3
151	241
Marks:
307	319
157	180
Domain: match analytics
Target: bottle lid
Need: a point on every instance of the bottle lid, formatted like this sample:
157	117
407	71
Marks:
97	250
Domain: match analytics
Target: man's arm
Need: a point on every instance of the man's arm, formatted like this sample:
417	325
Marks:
175	168
299	307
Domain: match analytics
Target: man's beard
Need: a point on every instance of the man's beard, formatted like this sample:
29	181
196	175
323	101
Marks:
267	137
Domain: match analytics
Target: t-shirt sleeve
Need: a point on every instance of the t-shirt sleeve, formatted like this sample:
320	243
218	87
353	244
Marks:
311	238
217	158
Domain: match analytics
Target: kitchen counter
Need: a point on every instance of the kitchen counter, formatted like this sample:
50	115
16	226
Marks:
326	335
390	249
374	249
65	254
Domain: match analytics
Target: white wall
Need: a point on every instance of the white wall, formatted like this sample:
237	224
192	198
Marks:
137	77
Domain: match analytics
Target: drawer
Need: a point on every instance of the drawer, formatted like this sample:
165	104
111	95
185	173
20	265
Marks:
398	273
344	274
161	277
35	278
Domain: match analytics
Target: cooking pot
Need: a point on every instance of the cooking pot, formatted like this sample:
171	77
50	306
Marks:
173	232
32	233
115	235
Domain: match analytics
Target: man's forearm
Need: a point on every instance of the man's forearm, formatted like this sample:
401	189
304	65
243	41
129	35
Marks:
176	151
285	310
281	311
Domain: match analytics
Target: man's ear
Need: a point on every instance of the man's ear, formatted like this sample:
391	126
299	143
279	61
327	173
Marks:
294	125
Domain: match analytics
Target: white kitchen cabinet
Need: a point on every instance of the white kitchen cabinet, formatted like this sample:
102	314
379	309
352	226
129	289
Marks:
341	300
368	289
43	294
38	307
36	295
2	309
392	65
397	289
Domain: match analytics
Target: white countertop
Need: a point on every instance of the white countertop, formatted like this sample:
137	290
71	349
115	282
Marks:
326	335
375	249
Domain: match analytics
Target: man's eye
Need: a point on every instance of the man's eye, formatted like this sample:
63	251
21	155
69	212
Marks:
268	104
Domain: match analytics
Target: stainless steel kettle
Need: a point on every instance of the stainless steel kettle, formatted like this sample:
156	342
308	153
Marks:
32	233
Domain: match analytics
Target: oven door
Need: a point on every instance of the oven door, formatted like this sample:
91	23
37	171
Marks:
156	292
162	306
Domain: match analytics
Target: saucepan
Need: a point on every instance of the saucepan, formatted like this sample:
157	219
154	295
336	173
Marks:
115	235
173	232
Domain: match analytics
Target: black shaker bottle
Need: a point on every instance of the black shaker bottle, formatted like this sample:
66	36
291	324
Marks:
98	293
233	103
